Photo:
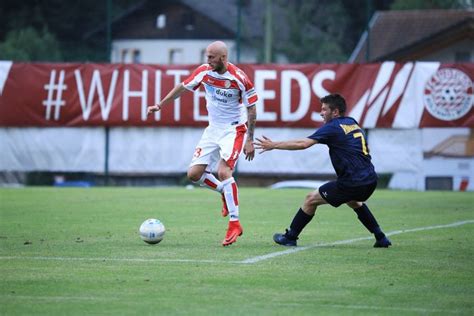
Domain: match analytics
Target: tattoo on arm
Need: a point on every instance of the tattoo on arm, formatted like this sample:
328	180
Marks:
251	119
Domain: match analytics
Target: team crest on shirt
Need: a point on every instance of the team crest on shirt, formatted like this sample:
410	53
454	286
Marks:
448	94
227	84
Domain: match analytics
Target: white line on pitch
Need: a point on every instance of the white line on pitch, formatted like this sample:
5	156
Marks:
245	261
347	241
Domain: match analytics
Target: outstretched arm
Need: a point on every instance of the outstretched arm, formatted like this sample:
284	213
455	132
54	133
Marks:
173	94
266	144
249	149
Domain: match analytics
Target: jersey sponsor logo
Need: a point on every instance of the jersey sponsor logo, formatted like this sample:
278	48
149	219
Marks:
448	94
214	98
224	93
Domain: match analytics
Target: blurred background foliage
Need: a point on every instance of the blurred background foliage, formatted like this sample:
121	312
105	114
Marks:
54	30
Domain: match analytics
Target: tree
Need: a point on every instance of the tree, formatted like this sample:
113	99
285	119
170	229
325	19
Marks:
327	30
30	45
313	36
59	21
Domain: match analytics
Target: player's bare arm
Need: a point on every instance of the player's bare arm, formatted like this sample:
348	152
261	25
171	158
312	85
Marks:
266	144
249	149
173	94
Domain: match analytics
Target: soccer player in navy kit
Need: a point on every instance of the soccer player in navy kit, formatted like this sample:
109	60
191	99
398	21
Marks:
356	177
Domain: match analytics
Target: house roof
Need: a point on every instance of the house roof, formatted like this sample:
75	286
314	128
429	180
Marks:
224	13
397	35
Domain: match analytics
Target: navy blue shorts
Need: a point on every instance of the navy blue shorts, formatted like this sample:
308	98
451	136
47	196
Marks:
336	194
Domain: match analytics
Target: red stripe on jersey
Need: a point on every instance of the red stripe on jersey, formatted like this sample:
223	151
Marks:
210	183
235	193
220	83
237	148
196	72
253	99
240	75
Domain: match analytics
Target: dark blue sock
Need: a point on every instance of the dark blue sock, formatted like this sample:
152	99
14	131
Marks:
368	220
300	220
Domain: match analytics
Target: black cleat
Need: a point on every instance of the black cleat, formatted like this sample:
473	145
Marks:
285	240
383	243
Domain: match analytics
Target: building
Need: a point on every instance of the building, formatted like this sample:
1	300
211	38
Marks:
422	35
178	32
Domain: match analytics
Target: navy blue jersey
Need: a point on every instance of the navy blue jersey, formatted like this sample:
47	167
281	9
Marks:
348	151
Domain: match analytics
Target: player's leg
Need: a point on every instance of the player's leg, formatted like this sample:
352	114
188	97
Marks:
367	219
365	216
328	193
230	192
199	174
231	145
302	218
204	158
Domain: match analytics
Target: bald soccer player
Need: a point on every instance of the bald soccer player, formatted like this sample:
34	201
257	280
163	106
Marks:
230	102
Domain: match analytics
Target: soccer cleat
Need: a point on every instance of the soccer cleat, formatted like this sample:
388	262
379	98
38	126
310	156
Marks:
224	211
382	243
285	239
233	231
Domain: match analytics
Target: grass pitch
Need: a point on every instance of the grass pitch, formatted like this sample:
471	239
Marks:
67	251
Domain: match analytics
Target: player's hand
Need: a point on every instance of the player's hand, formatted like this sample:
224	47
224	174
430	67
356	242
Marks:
264	143
153	109
249	150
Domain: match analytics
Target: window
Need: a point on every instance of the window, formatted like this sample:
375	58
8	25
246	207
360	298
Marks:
161	21
136	57
462	57
175	56
124	56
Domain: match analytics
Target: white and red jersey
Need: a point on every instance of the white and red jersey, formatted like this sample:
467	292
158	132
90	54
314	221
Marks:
227	95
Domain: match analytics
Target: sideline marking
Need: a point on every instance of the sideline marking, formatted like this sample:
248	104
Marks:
251	260
348	241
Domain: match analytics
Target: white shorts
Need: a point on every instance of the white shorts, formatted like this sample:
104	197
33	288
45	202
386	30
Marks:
219	143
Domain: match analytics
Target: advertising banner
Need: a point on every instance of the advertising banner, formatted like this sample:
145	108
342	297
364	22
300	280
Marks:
383	95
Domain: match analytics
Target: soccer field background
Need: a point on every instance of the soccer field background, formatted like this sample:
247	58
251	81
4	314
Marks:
71	251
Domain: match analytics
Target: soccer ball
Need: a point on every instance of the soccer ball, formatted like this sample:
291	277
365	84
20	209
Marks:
152	231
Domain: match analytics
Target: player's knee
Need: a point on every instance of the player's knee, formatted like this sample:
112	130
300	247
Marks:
354	204
224	174
193	175
314	199
311	199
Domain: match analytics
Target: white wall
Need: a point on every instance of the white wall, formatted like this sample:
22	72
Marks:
169	150
158	51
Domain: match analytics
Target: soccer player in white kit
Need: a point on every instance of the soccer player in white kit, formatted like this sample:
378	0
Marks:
230	101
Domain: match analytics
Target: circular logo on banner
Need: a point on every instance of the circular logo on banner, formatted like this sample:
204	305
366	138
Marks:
448	94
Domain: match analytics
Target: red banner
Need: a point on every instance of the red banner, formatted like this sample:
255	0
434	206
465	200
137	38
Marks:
409	95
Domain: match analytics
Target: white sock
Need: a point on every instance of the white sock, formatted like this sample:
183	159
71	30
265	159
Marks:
209	181
231	195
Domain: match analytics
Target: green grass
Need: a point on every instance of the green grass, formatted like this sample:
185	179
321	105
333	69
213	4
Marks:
77	252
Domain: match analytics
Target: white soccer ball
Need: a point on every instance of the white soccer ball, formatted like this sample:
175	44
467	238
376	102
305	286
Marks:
152	231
